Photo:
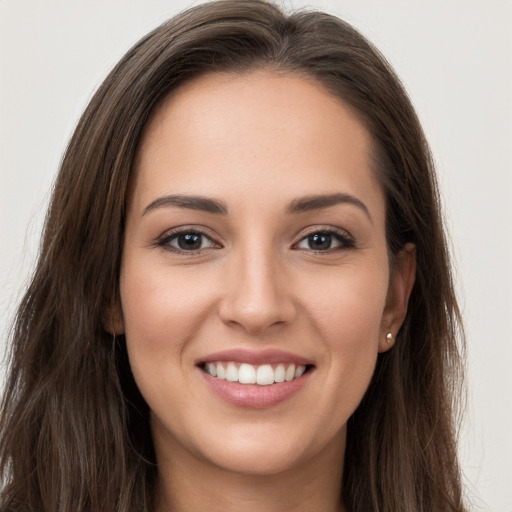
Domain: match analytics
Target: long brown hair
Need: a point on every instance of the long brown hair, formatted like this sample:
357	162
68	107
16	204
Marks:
74	429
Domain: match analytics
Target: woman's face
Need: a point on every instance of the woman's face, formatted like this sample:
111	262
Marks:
255	250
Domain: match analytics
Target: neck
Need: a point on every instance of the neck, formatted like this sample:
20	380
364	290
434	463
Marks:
187	484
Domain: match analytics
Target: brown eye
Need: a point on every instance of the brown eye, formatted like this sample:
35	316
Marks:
323	241
186	241
319	241
189	241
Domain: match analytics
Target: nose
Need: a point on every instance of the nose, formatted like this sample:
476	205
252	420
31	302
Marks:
258	295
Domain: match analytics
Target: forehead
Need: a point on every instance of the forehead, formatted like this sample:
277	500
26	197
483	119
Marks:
266	129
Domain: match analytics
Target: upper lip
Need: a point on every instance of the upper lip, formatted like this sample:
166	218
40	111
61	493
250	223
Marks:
267	356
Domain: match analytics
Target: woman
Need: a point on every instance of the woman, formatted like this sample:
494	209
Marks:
243	298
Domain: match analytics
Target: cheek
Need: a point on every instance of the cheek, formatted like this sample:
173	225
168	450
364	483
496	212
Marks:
161	314
347	314
347	306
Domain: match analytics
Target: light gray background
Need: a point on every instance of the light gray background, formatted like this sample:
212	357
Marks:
455	59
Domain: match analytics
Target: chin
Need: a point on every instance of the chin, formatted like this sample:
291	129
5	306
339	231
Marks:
270	450
257	460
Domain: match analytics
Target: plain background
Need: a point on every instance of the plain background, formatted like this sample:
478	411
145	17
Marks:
455	59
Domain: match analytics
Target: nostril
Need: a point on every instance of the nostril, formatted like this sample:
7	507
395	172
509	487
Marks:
258	301
255	320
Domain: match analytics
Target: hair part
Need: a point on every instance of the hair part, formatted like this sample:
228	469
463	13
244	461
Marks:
74	428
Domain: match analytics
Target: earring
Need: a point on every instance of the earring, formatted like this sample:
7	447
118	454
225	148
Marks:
389	337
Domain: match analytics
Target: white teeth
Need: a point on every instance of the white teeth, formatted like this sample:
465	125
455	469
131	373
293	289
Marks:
211	369
263	375
290	372
232	373
279	373
221	372
299	370
246	374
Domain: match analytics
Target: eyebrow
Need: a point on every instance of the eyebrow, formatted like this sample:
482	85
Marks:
201	203
318	202
299	205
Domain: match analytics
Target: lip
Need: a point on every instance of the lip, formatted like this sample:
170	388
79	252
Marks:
253	396
268	356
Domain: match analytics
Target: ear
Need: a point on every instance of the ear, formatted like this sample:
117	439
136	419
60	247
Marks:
401	282
112	317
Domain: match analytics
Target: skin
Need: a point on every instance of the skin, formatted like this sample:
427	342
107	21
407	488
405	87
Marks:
256	142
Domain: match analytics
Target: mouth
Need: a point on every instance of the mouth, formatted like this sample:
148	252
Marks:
261	375
251	379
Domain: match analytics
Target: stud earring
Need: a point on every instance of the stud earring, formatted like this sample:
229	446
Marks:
389	337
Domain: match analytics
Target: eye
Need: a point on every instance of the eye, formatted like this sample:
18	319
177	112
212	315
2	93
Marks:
186	241
325	240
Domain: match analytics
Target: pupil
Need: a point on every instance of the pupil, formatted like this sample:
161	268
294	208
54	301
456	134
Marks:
320	241
189	241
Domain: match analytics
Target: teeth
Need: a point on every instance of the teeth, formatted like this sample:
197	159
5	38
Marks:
290	372
221	372
279	373
299	371
247	374
263	375
232	373
211	369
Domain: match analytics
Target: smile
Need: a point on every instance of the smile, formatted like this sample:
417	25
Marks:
262	375
255	379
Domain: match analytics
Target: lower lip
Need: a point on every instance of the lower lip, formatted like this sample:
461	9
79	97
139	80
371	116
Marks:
254	396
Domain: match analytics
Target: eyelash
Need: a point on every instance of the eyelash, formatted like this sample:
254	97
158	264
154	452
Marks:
165	241
344	239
